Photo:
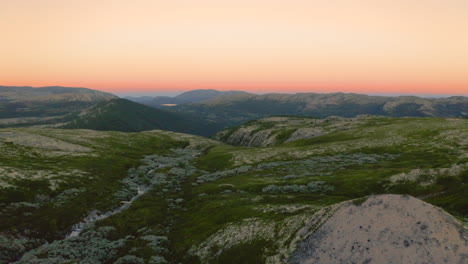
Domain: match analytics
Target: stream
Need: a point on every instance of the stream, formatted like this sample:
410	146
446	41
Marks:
151	164
95	215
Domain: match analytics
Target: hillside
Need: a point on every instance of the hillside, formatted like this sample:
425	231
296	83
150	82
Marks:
51	93
28	105
283	129
164	197
236	109
125	115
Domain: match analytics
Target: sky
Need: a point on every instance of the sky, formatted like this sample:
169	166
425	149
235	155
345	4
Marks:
150	46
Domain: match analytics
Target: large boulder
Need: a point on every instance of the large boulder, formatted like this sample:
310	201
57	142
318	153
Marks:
385	229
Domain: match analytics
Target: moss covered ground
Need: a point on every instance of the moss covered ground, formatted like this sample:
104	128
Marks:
222	185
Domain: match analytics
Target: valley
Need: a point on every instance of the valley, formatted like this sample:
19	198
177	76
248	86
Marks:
234	132
200	112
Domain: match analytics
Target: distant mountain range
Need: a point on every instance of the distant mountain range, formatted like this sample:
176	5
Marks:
183	98
201	112
25	101
238	108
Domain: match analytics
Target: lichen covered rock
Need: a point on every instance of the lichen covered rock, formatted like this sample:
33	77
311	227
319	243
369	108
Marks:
386	229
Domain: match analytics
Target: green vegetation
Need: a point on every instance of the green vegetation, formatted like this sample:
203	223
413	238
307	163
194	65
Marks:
359	201
284	135
209	202
248	253
128	116
102	168
216	158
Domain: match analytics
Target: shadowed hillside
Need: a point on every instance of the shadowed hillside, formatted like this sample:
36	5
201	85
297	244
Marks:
125	115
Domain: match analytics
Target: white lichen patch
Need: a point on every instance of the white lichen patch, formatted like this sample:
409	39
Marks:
74	136
283	209
41	142
7	174
195	142
283	234
457	136
233	234
428	176
251	156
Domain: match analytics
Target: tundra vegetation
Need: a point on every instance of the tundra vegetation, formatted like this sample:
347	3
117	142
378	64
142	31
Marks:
163	197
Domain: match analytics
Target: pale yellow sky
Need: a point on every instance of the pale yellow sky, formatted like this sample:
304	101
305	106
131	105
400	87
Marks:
416	46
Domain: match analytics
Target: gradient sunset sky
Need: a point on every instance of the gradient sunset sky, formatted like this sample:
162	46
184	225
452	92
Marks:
362	46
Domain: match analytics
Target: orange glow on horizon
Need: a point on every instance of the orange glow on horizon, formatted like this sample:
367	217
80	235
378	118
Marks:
360	46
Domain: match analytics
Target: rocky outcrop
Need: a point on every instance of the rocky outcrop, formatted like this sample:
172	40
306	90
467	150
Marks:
304	133
277	130
250	136
385	229
376	229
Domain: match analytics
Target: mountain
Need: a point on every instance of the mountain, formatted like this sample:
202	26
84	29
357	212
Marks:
125	115
236	109
183	98
51	93
69	107
21	102
364	190
156	102
209	111
202	95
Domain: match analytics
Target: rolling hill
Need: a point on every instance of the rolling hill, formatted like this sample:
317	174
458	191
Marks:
128	116
18	102
275	130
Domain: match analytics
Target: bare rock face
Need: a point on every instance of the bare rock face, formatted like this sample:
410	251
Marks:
385	229
305	133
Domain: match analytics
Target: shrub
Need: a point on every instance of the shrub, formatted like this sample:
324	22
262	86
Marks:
130	259
312	187
157	260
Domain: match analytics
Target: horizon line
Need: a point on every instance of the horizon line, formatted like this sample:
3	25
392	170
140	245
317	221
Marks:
159	92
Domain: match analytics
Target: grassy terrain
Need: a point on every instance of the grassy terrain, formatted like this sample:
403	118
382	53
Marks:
218	199
406	144
110	155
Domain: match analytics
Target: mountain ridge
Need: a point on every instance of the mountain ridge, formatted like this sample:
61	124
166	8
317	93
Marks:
187	97
239	108
26	101
18	92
